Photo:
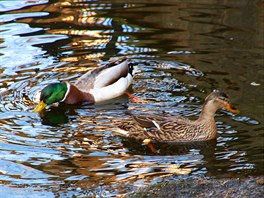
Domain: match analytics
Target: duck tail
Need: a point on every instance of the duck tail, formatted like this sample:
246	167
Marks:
131	69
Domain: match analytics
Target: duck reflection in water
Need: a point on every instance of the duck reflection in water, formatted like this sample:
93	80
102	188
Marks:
56	115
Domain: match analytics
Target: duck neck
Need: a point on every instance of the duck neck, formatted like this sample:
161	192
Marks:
76	96
207	121
208	112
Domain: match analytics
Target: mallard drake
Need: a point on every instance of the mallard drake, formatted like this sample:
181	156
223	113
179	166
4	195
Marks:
97	85
175	128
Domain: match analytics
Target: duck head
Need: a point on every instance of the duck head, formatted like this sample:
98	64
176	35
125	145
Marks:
218	100
55	92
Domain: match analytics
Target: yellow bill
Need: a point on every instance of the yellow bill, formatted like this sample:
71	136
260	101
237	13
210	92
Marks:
41	105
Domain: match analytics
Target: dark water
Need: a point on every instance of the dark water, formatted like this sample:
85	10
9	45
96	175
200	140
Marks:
183	49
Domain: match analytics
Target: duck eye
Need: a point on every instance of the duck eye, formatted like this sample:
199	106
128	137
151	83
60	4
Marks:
224	99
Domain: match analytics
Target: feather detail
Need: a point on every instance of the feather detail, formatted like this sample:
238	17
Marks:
75	96
111	75
156	125
68	91
105	82
102	76
112	91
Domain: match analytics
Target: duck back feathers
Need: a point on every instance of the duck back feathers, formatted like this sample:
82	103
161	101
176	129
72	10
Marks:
103	76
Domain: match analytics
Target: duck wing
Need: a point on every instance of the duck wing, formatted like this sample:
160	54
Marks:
147	121
159	128
172	130
103	76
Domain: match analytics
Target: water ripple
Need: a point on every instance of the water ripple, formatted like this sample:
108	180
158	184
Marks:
12	17
15	5
180	56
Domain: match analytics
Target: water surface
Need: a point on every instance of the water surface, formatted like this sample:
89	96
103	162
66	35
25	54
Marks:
183	51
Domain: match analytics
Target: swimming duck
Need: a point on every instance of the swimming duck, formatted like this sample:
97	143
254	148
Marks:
98	85
174	128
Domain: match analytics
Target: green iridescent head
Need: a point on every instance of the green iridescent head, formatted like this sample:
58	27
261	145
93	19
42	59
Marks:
52	93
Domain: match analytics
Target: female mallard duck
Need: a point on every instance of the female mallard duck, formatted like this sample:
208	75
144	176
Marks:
177	129
98	85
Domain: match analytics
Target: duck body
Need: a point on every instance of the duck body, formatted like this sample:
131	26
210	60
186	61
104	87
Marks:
98	85
169	129
174	128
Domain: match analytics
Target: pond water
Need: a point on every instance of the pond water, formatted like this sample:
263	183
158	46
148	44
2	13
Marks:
183	50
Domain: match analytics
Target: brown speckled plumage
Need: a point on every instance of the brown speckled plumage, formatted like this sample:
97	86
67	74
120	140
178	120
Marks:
175	128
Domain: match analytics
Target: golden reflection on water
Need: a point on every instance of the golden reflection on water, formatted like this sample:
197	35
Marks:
72	69
213	37
91	33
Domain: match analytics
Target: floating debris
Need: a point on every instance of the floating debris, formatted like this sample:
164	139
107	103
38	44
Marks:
255	84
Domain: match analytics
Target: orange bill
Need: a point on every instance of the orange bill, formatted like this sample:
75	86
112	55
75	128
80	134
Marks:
41	105
228	107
